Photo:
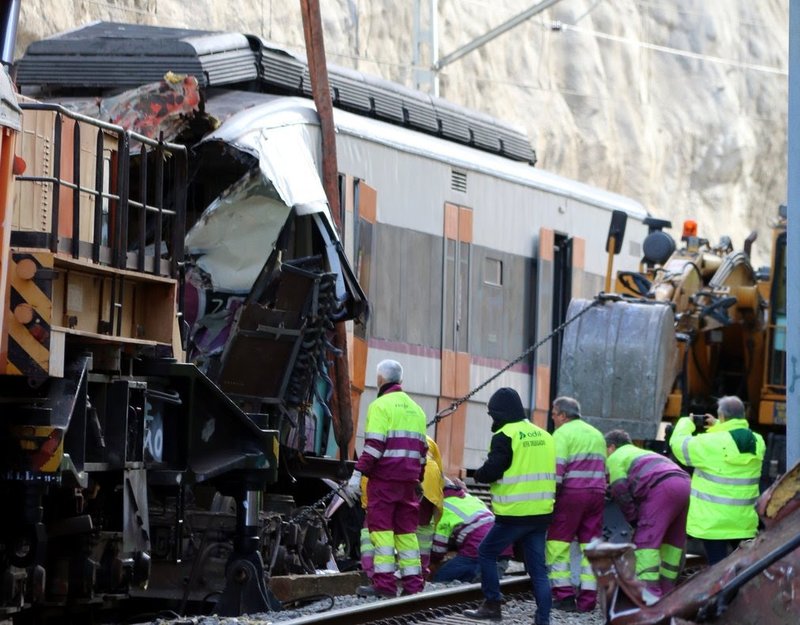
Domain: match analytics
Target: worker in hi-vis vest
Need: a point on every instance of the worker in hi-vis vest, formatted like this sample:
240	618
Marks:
580	502
430	509
393	458
727	461
521	471
464	524
653	494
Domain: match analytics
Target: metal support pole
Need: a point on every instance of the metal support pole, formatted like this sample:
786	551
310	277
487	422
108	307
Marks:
426	35
492	34
9	20
793	245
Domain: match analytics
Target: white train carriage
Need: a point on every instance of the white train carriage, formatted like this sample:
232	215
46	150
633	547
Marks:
472	258
467	258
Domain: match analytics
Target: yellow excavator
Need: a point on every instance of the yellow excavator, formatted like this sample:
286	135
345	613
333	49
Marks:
696	322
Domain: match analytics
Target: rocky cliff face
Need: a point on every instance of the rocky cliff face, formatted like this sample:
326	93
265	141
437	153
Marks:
681	105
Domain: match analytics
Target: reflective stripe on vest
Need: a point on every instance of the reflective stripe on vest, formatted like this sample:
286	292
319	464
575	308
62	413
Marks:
528	485
725	481
580	456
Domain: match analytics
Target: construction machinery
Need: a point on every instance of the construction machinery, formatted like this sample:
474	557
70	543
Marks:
695	323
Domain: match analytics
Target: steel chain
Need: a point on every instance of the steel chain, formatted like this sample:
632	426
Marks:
446	412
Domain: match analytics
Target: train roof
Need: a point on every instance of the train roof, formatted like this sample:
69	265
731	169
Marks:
110	55
244	111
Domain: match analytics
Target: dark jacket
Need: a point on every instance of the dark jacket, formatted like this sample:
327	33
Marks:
505	406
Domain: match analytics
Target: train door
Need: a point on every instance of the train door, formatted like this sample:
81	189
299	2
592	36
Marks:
562	293
455	359
553	291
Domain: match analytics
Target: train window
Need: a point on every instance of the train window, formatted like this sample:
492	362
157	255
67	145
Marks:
493	271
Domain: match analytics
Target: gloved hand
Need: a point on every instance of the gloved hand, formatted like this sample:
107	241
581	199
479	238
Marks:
353	486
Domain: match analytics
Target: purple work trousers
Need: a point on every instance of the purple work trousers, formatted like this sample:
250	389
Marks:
662	517
578	515
394	507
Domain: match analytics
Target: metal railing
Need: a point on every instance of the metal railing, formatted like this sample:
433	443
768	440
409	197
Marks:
157	212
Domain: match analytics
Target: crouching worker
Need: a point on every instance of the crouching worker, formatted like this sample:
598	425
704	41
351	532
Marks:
653	494
521	469
464	524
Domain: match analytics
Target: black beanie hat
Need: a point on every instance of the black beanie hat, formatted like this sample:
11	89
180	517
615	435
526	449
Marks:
505	405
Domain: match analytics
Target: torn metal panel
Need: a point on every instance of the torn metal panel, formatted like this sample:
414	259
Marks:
235	234
780	499
155	108
271	236
756	585
284	141
279	135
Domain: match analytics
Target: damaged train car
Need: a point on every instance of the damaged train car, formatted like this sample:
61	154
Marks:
135	469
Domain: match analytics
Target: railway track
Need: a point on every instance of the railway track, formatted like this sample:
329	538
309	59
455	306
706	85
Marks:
441	606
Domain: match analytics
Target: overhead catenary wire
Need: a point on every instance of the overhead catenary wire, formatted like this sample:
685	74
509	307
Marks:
768	69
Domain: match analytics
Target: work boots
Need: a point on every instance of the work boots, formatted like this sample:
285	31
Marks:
567	604
369	590
488	611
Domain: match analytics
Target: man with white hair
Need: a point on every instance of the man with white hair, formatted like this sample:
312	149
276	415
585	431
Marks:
393	458
727	461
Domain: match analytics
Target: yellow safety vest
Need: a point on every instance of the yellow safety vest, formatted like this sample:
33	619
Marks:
724	482
528	486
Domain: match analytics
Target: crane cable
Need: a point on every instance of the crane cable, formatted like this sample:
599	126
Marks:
446	412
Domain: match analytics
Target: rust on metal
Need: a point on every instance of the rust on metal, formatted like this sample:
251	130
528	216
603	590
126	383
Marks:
757	583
